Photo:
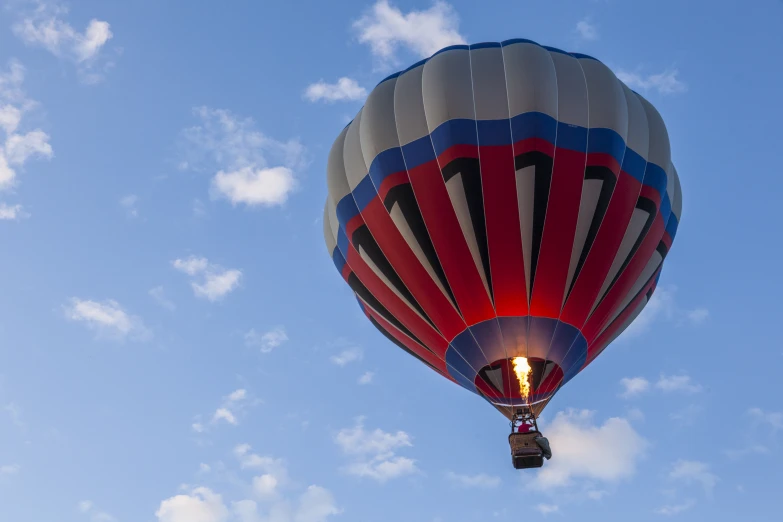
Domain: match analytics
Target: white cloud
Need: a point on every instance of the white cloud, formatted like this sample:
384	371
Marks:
16	148
224	414
675	509
11	212
231	406
547	509
192	265
107	318
346	89
374	452
581	449
348	355
15	412
366	378
200	505
45	27
691	471
665	82
241	156
674	383
480	481
10	117
634	386
214	282
385	29
316	505
755	449
21	147
252	186
265	485
129	204
267	341
9	469
204	468
698	315
159	296
586	30
772	418
238	395
87	507
197	427
274	472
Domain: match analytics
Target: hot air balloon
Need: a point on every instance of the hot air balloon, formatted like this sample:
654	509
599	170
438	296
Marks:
502	212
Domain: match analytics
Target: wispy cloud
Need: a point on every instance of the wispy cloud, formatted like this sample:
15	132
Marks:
11	212
208	280
677	383
202	504
231	405
10	469
547	509
666	82
580	444
663	307
267	341
675	509
374	452
231	408
345	89
252	169
129	204
15	412
634	386
694	472
385	28
16	146
159	295
88	508
773	419
587	30
347	356
366	378
479	481
107	318
45	26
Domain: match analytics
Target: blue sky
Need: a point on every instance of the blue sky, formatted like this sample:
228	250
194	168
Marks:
175	345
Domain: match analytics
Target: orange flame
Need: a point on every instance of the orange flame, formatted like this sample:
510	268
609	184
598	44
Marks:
523	371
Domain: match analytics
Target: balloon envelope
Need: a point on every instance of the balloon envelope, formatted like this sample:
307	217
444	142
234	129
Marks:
502	200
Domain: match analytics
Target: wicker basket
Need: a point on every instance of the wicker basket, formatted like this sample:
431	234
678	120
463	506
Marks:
524	442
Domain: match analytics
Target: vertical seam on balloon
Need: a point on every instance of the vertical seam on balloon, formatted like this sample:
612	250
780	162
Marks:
425	317
507	392
557	324
625	141
643	236
413	191
345	255
508	363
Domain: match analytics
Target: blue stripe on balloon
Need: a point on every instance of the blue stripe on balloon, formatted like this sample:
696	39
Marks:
534	125
606	141
385	164
634	164
338	259
454	132
671	225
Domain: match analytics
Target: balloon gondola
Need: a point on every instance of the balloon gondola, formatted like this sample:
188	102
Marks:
502	212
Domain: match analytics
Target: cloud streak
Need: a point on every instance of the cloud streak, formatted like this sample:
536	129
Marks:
386	29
